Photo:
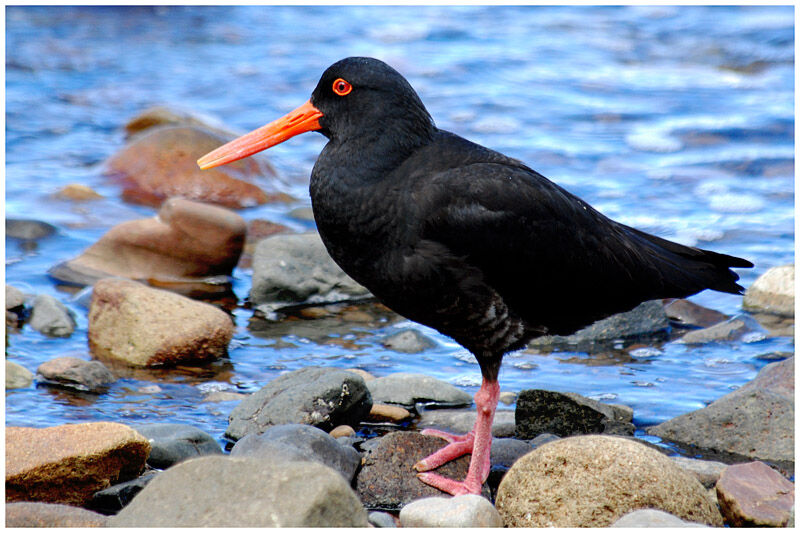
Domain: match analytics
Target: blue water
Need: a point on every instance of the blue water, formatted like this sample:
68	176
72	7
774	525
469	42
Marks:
676	120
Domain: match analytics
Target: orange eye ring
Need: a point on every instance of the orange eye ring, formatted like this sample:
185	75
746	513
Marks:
342	87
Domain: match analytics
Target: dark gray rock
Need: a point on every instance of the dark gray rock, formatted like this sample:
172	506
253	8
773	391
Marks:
115	497
755	421
739	328
290	269
462	420
40	514
173	443
299	442
646	320
321	397
543	438
566	414
407	389
506	451
218	491
387	480
408	341
28	230
76	374
652	518
51	317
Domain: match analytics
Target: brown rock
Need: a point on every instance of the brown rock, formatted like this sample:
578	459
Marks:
753	494
78	192
382	412
163	162
140	326
185	241
387	479
38	514
69	463
689	313
772	292
591	481
342	431
74	373
163	115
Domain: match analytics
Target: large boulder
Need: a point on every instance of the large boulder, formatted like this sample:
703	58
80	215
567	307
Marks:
219	491
186	241
162	162
755	421
141	326
69	463
591	481
321	397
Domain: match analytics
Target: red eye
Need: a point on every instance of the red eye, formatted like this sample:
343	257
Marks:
342	87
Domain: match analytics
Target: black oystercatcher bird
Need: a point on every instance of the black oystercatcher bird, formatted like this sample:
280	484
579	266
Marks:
464	239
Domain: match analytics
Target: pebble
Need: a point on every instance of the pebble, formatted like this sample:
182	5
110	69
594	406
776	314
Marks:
773	292
466	510
507	397
224	396
51	317
408	341
754	495
382	412
28	230
342	431
76	374
14	297
381	519
241	491
588	481
299	442
140	326
17	376
652	518
173	443
406	389
78	193
688	313
317	396
735	329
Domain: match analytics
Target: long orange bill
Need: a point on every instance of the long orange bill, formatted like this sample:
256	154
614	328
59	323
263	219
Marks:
304	118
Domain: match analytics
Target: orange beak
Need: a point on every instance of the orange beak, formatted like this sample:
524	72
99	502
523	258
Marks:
304	118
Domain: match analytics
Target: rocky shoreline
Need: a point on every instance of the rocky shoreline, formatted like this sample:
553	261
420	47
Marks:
331	447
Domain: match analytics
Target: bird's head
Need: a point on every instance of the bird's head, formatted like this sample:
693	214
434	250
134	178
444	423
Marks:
356	98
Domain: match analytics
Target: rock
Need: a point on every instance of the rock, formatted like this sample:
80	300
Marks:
363	373
140	326
543	438
592	481
772	292
69	463
115	497
240	492
707	472
652	518
740	328
406	389
387	480
76	374
688	313
461	421
754	495
77	192
173	443
297	269
51	317
507	397
408	341
185	241
15	298
342	431
172	115
28	230
299	442
467	510
646	320
566	414
225	396
38	514
17	376
321	397
755	421
381	519
162	162
506	451
382	412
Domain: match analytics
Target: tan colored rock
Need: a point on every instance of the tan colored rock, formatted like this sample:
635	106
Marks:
78	193
592	481
141	326
382	412
754	495
171	115
342	431
772	292
363	373
69	463
185	241
17	376
162	162
39	514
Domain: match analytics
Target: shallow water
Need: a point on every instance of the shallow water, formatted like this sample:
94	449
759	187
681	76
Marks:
678	121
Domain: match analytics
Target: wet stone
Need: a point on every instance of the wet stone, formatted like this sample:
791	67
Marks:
299	442
76	374
15	298
467	510
737	328
173	443
688	313
51	317
17	376
407	389
28	230
77	192
408	341
754	495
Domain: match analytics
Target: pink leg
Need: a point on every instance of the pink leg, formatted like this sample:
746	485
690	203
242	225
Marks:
478	442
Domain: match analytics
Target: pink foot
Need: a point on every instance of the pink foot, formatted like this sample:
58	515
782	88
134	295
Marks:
449	486
459	445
